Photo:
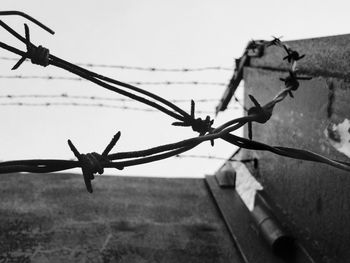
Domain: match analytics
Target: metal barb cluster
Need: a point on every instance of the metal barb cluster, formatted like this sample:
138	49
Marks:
93	163
38	55
197	124
291	82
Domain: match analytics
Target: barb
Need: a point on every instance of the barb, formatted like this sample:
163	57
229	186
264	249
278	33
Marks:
263	113
198	125
292	82
292	55
94	163
38	55
276	41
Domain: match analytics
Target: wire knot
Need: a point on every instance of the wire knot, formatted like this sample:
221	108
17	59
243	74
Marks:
292	55
92	163
197	124
276	41
38	55
261	114
202	126
291	82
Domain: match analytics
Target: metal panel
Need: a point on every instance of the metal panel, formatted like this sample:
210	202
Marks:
314	197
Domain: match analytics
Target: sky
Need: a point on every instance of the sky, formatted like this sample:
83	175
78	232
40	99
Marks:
152	33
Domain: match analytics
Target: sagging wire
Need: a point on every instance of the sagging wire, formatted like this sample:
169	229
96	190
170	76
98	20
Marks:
151	69
94	163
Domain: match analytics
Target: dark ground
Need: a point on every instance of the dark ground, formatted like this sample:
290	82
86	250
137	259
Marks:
52	218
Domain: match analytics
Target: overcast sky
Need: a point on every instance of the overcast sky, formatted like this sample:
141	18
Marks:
152	33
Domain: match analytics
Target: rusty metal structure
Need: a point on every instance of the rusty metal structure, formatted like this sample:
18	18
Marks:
311	200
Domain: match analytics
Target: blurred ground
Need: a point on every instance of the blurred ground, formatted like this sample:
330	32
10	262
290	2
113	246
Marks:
52	218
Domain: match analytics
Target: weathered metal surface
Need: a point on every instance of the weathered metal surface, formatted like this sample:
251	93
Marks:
327	56
51	218
314	198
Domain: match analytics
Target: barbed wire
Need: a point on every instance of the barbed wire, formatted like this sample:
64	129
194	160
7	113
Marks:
96	98
152	69
93	98
93	163
95	105
212	157
163	83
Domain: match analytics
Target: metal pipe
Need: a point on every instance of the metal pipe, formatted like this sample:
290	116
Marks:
281	243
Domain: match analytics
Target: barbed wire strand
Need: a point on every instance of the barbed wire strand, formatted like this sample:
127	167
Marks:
94	98
212	157
151	69
97	105
154	83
